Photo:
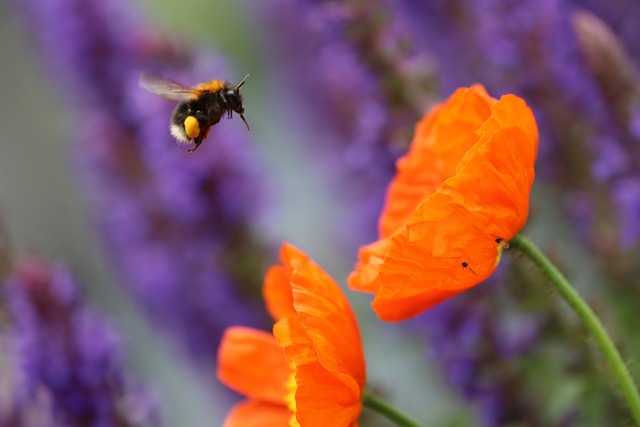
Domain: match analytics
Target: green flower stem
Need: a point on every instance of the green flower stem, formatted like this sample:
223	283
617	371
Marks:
382	407
593	324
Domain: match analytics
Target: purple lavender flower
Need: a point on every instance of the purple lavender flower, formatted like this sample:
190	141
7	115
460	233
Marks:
579	77
617	163
515	46
65	361
178	229
363	83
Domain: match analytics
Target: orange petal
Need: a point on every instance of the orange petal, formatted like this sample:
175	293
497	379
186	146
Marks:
441	139
323	342
453	240
510	110
276	292
365	276
323	400
254	413
330	326
322	397
295	342
328	319
252	362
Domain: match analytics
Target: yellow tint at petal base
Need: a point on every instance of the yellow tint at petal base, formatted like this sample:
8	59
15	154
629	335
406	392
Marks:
290	398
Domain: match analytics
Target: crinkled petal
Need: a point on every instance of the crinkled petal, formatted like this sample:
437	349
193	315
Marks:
323	342
252	362
328	320
453	241
296	344
461	190
323	400
364	278
323	397
326	315
440	141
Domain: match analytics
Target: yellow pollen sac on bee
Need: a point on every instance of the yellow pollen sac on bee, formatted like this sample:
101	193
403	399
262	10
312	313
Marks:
191	127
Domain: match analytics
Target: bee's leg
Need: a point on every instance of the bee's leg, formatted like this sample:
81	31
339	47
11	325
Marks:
198	140
193	150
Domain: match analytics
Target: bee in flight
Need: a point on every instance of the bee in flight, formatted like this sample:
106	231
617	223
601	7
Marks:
199	107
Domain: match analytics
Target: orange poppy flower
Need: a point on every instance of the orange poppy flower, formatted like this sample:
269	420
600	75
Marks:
320	376
459	194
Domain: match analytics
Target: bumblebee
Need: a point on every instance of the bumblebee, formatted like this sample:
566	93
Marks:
199	107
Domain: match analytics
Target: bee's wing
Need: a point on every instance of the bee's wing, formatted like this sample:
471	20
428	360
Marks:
167	88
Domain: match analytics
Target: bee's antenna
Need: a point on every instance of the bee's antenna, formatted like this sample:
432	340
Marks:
241	83
245	121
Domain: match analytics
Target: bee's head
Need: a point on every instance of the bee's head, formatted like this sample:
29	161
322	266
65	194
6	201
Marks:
234	100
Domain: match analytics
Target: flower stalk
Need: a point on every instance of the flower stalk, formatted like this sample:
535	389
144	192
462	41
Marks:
375	403
594	326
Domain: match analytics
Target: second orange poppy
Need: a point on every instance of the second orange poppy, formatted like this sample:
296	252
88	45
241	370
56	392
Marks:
459	194
311	371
